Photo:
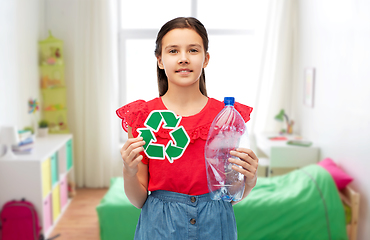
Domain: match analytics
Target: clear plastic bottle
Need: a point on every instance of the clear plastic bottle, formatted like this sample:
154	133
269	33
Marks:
227	132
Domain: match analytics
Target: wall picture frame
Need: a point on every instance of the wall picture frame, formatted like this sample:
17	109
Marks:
309	87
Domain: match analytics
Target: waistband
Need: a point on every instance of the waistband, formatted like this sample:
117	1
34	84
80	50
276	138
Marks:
180	197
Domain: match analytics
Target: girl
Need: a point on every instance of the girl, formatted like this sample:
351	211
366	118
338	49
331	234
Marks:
179	205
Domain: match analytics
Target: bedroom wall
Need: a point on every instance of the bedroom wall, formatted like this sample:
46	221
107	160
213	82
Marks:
20	28
333	37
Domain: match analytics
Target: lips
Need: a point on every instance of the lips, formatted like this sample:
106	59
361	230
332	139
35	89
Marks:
184	70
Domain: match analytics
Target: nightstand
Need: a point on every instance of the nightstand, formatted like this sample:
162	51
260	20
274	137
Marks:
277	157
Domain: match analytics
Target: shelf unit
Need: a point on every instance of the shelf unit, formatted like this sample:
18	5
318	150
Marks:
41	178
53	87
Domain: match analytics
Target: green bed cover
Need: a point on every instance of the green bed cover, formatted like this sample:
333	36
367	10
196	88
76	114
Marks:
303	204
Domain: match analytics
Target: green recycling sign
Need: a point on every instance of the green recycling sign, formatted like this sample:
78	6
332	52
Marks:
179	138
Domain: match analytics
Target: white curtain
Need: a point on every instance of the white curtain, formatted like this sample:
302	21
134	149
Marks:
93	120
275	78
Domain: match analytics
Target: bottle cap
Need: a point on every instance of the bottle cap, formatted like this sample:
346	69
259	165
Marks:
229	101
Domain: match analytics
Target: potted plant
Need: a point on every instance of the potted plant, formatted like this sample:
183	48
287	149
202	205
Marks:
43	128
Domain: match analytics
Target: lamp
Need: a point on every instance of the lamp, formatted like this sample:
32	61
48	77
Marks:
8	137
280	117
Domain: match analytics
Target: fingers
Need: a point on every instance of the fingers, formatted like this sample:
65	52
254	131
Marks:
130	152
248	161
132	141
247	151
246	169
246	156
132	144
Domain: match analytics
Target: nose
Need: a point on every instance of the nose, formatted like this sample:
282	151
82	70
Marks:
183	59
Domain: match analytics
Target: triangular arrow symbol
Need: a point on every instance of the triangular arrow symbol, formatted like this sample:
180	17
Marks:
147	136
155	151
154	120
170	119
173	152
180	137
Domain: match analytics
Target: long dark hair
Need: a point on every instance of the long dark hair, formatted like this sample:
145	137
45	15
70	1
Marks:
180	22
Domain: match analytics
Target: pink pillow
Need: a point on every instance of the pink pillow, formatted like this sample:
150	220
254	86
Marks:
341	178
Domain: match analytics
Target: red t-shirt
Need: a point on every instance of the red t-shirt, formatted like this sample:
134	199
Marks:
186	174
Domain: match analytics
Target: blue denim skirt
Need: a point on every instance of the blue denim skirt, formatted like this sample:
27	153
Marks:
170	215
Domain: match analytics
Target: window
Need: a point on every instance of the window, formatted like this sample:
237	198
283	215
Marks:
233	28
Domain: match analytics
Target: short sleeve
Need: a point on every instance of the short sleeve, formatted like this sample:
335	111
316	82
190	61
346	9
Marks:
132	113
244	110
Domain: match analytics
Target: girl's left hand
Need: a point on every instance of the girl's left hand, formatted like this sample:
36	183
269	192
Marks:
249	163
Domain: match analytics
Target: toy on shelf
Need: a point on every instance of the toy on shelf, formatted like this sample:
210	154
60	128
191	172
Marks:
58	124
51	50
52	76
51	62
54	107
53	87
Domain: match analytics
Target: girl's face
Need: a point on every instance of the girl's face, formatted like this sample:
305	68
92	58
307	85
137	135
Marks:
183	57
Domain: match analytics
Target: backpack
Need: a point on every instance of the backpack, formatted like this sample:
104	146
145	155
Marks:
19	220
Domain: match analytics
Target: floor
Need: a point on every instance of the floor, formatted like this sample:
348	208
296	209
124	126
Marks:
80	220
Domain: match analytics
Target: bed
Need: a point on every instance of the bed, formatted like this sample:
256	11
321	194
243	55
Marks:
303	204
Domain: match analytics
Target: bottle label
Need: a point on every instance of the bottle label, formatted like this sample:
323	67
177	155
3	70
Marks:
179	138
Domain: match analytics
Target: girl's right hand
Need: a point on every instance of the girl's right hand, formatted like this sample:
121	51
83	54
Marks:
131	156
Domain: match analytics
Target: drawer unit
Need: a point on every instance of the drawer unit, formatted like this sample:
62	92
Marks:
69	154
54	169
55	198
63	191
62	159
46	177
48	216
41	177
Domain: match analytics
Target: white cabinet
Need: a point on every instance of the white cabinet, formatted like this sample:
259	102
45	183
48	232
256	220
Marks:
278	157
41	178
